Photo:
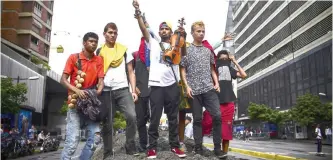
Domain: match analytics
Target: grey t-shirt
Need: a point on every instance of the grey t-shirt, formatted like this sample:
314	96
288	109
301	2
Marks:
197	63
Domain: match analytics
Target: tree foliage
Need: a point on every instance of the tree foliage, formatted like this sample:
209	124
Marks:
119	121
262	112
64	109
309	110
12	95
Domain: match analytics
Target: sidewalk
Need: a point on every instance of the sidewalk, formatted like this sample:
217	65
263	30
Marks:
324	142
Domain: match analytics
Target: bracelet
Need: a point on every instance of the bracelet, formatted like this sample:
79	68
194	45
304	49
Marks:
137	13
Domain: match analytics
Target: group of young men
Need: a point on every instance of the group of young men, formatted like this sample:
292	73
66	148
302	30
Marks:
154	83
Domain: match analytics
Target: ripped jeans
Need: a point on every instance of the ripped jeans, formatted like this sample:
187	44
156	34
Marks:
74	123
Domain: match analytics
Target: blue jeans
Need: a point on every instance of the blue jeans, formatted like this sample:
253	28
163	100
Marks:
74	123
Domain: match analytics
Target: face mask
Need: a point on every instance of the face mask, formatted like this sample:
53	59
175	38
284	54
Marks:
221	62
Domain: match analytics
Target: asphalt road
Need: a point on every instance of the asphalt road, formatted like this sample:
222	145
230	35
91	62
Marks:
293	149
56	155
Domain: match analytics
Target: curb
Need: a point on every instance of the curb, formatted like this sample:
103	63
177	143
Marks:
257	154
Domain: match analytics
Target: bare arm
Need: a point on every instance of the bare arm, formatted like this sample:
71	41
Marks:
141	23
216	82
240	73
100	85
66	84
183	75
131	76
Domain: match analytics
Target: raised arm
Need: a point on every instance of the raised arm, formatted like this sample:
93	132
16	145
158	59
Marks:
141	22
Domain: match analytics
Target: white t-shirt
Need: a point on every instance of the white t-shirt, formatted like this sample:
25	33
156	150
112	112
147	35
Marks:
318	133
160	73
116	78
189	131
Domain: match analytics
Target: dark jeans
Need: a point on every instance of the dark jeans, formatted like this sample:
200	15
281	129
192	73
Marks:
318	145
121	100
142	117
210	101
169	98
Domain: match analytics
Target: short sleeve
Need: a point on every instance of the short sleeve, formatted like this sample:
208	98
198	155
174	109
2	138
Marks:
129	58
212	61
100	67
233	73
183	61
69	67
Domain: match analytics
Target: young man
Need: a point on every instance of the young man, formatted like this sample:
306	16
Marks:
197	69
93	67
227	97
118	73
163	82
142	105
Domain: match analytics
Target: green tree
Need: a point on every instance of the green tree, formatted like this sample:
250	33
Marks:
119	121
12	96
264	113
309	110
64	109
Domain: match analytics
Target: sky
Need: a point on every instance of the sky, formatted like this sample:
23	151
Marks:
81	16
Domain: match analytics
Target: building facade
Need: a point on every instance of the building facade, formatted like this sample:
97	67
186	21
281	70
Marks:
26	33
285	48
27	24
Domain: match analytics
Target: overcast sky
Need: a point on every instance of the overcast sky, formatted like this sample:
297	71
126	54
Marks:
80	16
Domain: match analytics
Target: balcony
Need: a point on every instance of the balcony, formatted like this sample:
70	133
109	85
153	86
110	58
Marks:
34	47
38	12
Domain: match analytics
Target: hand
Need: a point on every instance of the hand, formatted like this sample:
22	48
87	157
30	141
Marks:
137	91
135	97
182	32
189	92
81	93
136	4
99	92
232	58
228	36
217	87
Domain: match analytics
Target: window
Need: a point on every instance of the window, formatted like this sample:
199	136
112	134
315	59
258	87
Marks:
49	19
46	50
38	9
34	40
47	35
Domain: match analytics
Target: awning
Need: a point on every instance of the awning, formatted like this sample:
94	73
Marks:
35	94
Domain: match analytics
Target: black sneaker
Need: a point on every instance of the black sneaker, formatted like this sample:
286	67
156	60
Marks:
132	151
199	150
142	150
219	154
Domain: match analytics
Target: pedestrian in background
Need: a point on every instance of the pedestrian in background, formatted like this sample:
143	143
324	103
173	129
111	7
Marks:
328	133
319	138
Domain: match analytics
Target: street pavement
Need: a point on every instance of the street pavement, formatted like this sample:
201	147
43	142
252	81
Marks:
293	149
56	155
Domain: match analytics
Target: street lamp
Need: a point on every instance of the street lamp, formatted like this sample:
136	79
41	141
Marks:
278	107
322	94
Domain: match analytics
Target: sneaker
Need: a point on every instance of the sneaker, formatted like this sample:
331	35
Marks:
200	151
151	154
219	154
178	152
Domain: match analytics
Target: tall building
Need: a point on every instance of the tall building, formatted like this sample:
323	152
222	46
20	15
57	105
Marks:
27	24
25	45
285	48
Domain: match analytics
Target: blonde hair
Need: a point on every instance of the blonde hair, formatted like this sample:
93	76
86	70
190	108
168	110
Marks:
197	23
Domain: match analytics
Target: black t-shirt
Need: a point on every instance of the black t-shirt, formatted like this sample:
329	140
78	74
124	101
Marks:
225	75
142	76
